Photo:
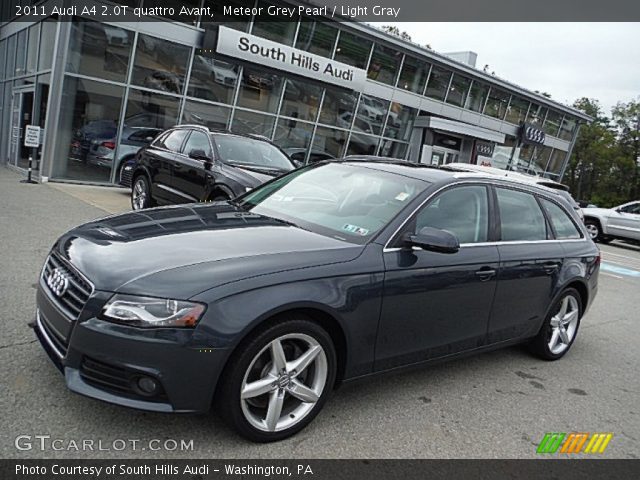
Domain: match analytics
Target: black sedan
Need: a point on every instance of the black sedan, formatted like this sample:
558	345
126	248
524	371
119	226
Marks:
262	305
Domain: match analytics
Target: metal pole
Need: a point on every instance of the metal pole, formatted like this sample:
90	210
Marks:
29	180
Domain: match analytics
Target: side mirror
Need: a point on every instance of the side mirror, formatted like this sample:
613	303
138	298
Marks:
433	239
199	154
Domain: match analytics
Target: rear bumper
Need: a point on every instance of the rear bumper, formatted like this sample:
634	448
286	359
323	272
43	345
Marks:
105	361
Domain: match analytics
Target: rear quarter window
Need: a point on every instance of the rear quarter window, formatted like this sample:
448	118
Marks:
561	222
521	218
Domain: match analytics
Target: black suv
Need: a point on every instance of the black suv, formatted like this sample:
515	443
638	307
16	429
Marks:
190	163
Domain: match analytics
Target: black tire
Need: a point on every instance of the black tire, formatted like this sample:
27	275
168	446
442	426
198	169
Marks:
595	231
539	346
244	360
147	201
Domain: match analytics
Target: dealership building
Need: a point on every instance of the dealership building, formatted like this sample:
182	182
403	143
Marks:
99	90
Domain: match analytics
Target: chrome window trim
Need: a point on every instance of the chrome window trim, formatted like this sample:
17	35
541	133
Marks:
487	182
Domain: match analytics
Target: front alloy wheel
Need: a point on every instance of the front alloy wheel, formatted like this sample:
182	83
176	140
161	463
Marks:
278	380
560	327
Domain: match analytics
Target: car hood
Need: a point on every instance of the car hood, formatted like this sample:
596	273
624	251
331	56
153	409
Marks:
180	251
248	176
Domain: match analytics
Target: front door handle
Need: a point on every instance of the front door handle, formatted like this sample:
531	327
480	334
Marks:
485	273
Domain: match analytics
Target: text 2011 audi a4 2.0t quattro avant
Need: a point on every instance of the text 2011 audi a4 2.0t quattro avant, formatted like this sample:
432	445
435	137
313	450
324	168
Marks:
261	305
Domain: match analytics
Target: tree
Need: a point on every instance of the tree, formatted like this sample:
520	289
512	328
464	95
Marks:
393	30
626	119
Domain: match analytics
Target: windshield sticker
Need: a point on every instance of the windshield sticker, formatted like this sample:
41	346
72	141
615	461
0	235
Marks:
355	229
402	196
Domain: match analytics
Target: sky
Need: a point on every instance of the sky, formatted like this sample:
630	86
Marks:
567	60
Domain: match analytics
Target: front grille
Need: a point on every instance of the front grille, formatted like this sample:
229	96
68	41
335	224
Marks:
72	300
55	339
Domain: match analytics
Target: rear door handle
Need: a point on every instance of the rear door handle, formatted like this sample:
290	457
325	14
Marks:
485	273
550	267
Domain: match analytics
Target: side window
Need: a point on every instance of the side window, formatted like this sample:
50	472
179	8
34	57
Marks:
198	141
561	222
173	141
633	208
462	211
520	216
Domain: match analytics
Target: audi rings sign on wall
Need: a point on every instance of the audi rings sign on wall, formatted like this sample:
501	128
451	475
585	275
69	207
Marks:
484	149
531	134
58	282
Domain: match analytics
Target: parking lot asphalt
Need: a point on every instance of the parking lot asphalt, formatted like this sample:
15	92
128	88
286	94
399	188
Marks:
495	405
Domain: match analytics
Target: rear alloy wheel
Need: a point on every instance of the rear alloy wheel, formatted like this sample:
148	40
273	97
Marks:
279	381
141	194
560	328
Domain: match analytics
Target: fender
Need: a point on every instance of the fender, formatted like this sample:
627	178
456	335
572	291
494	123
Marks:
558	293
211	187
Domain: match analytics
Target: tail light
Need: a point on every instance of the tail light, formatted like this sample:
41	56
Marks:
109	145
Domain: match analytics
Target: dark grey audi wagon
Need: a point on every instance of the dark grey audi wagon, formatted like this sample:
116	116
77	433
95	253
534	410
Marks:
261	305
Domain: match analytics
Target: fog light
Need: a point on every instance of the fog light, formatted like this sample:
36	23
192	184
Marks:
147	386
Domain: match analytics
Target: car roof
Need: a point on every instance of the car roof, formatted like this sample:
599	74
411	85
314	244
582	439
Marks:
524	177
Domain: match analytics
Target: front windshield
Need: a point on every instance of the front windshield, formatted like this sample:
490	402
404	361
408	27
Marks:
346	201
252	153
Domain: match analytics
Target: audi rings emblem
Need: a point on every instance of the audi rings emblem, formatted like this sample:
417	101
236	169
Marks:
58	282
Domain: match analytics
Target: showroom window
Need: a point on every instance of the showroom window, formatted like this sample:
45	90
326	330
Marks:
292	133
99	50
152	110
330	141
462	211
353	50
212	78
552	123
89	117
214	117
520	216
497	103
389	148
301	100
316	37
567	128
260	90
438	83
252	123
517	110
371	114
400	121
458	90
32	49
536	115
21	54
562	224
3	59
11	56
47	43
555	162
413	75
337	107
360	144
384	64
160	64
540	158
279	29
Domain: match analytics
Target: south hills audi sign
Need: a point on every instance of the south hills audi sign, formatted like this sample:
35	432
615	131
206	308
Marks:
275	55
531	134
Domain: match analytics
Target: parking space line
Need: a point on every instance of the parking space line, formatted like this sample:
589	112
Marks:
611	275
620	262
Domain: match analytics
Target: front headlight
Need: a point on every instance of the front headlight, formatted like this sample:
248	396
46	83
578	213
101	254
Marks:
150	312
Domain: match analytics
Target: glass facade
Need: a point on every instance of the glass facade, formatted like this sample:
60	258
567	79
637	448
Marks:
119	82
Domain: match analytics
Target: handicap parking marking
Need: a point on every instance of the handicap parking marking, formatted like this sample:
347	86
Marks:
610	267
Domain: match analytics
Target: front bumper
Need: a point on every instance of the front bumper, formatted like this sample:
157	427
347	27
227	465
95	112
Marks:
103	360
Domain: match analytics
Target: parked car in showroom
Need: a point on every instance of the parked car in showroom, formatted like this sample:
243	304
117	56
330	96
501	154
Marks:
102	151
606	224
336	271
190	163
560	188
298	155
